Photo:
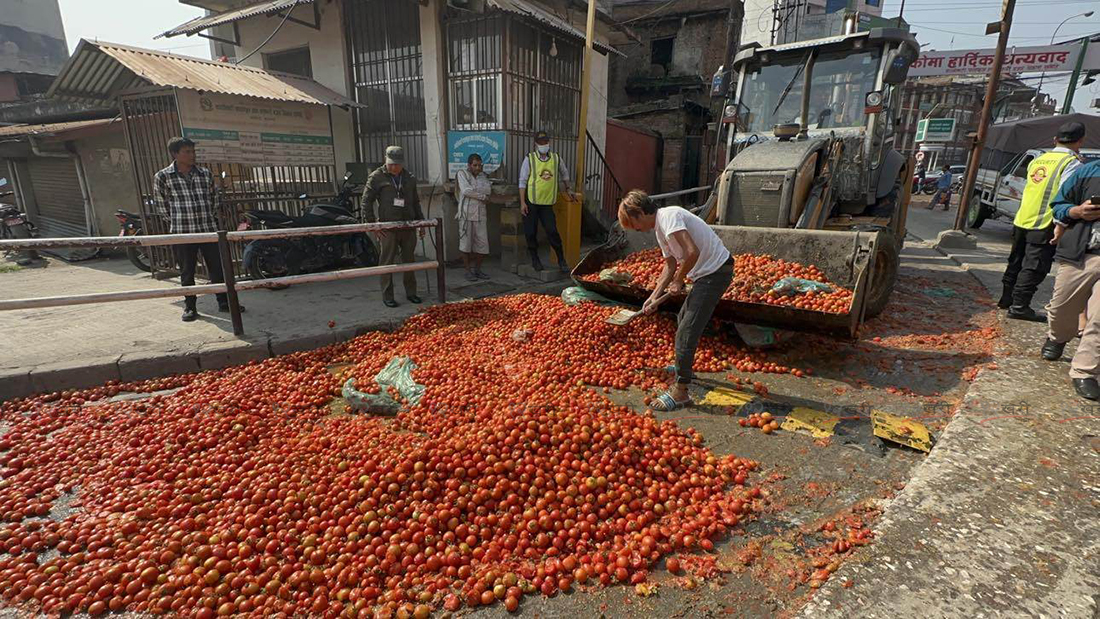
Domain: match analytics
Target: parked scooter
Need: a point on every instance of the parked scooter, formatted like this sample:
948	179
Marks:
130	224
267	258
14	224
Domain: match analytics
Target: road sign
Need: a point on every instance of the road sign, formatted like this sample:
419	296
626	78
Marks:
936	130
920	155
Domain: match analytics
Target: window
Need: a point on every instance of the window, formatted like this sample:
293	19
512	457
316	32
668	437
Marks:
294	61
660	53
1021	169
539	90
475	73
386	59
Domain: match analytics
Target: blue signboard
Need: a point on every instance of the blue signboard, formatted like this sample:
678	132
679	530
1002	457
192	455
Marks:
462	144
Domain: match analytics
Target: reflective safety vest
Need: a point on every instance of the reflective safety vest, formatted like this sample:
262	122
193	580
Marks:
1044	175
542	182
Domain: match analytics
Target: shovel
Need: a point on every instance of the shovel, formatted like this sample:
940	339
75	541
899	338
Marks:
624	316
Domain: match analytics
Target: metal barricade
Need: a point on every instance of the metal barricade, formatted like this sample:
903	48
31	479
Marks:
230	286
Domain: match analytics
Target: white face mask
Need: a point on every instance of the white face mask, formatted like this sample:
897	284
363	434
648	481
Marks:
543	148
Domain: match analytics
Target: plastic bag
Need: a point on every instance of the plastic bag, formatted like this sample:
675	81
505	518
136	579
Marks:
616	277
575	295
396	374
796	285
756	336
522	335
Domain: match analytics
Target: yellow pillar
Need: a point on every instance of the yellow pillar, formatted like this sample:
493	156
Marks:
569	213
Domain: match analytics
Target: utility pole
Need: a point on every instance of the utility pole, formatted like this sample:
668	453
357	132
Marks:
572	241
1068	103
987	108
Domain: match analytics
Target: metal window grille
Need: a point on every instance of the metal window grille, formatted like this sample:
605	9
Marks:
388	74
505	72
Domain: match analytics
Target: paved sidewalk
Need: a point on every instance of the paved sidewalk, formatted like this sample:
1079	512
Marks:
1003	517
84	345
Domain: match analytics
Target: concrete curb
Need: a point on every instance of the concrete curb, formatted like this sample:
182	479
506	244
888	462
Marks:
22	382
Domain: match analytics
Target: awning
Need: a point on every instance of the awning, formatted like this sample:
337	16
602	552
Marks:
533	11
97	72
53	128
226	17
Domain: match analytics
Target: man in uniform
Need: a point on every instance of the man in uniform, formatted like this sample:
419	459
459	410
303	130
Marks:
1033	228
1076	282
394	189
540	175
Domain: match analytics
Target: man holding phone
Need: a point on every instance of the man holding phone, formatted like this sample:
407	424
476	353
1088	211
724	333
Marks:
1078	207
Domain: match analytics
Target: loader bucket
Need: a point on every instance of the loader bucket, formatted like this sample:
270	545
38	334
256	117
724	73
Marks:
845	258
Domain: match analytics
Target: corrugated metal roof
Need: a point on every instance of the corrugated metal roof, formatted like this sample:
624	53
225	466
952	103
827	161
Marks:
209	21
98	71
52	128
538	13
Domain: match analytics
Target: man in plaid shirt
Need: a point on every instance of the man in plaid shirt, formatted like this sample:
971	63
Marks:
185	196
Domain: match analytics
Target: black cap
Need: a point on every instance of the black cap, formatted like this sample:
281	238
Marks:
1071	132
543	136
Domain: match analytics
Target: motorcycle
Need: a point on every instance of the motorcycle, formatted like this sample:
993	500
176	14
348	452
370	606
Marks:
14	224
928	186
130	225
268	258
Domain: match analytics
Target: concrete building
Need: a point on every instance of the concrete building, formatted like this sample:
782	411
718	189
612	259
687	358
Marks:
961	98
425	71
769	22
662	82
32	48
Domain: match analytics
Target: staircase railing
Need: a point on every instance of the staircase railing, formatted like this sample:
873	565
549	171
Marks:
600	184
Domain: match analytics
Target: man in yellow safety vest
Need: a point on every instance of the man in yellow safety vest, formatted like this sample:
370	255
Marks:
540	175
1033	228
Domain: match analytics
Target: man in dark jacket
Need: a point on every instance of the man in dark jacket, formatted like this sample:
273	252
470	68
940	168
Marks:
1078	207
394	189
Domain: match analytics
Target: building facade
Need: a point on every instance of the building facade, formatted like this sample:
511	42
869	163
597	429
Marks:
32	48
962	98
661	83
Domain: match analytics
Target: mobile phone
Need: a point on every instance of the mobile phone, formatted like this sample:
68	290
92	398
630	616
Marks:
1095	200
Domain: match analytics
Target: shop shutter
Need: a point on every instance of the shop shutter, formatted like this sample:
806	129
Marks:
57	194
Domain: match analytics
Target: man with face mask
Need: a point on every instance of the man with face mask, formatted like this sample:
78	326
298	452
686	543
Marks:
540	175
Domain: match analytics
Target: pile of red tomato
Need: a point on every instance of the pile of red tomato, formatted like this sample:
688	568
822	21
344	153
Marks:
753	278
241	491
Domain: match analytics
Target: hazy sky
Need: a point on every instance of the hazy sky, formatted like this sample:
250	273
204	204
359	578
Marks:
942	24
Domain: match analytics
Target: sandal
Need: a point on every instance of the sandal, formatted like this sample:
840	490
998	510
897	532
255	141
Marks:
665	402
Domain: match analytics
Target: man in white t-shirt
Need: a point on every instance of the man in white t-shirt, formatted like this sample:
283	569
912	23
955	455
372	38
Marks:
692	251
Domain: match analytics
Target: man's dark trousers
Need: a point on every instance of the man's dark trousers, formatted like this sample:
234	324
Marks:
187	256
1029	263
545	214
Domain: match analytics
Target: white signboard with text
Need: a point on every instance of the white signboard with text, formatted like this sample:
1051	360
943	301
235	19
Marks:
255	132
980	61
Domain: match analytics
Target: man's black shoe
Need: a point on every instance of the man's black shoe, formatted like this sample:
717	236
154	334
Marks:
1052	351
415	299
536	264
563	266
389	302
225	308
190	315
1025	313
1005	302
1087	388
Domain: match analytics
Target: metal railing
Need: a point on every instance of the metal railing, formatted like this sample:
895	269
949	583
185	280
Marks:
230	286
601	184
